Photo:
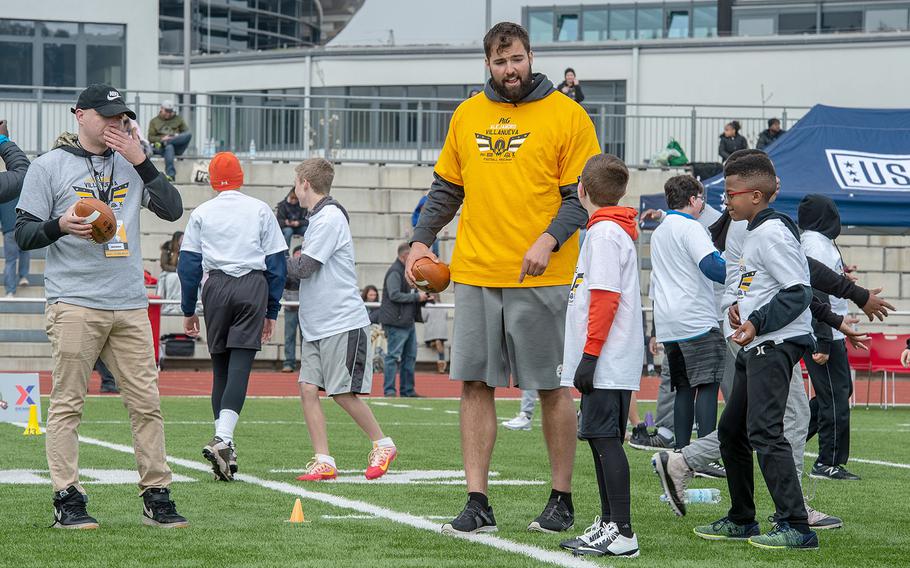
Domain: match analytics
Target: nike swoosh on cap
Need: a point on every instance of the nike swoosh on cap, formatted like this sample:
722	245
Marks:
113	95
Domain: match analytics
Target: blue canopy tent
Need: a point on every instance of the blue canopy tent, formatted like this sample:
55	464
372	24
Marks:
860	158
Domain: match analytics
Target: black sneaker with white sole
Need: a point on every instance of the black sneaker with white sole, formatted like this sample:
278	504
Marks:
159	511
641	439
610	543
556	517
713	470
474	518
69	510
834	472
591	533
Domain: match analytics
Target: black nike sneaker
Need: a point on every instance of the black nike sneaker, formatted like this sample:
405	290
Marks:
69	510
835	472
556	517
159	511
473	519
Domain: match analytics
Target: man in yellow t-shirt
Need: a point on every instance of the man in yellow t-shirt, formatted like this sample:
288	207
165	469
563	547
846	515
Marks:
511	161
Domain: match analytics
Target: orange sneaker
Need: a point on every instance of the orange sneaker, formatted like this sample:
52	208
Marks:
380	459
318	471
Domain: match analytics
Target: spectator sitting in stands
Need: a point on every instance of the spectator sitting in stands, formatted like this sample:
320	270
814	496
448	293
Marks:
416	215
168	281
377	337
570	86
143	141
291	217
169	136
773	132
731	140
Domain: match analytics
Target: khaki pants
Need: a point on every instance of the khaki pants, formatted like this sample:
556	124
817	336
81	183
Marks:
123	339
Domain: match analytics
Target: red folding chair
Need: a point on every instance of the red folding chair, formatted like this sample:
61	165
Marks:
860	362
885	353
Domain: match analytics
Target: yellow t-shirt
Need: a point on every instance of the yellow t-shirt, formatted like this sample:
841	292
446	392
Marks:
511	161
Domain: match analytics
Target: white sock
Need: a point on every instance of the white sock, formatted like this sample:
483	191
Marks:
384	443
322	458
227	421
216	426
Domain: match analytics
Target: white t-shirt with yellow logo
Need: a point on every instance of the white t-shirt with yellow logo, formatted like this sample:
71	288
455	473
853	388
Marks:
511	161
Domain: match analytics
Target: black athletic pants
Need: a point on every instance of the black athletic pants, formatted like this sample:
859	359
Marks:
831	405
753	418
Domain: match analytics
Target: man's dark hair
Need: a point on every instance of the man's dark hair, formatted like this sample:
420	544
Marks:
604	178
502	35
403	248
679	189
773	121
568	70
755	166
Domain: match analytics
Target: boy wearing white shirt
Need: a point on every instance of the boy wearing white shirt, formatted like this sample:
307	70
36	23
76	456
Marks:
828	367
773	303
335	352
603	349
234	239
684	263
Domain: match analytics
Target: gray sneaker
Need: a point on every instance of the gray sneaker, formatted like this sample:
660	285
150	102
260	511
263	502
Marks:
820	521
674	474
218	453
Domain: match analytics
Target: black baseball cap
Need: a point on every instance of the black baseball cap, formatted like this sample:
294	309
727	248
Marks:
106	100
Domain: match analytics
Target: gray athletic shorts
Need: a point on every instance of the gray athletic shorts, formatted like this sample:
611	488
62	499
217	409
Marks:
509	332
339	364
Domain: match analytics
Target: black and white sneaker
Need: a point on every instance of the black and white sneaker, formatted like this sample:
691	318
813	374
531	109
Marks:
610	543
713	470
835	472
643	440
69	510
591	533
232	462
159	511
219	453
556	517
474	518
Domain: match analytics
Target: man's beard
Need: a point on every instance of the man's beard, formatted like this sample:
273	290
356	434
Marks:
515	93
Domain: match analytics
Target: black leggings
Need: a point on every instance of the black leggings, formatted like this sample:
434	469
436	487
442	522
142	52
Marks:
231	375
694	403
612	469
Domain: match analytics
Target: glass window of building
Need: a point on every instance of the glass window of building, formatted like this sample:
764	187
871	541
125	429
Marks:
841	20
886	20
622	24
17	28
567	27
594	25
704	22
60	65
754	25
104	64
650	23
677	23
540	26
16	63
797	23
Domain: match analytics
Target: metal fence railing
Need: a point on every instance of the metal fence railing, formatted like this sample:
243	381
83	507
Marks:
374	129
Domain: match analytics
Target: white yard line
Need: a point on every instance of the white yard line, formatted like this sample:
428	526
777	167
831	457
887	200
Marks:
871	462
362	507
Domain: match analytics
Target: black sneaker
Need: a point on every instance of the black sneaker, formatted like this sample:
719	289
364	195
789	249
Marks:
473	519
713	470
556	517
610	543
69	510
643	440
591	534
835	472
159	511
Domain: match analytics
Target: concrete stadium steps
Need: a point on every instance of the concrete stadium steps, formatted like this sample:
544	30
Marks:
354	199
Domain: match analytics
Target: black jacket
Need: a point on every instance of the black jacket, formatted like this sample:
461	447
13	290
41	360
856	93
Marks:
291	212
16	166
766	137
819	213
729	145
400	306
574	92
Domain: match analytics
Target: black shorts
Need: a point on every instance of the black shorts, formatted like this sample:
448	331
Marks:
234	310
698	361
604	414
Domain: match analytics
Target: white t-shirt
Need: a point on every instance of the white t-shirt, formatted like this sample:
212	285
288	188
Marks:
234	233
772	260
330	301
683	297
733	251
823	249
607	261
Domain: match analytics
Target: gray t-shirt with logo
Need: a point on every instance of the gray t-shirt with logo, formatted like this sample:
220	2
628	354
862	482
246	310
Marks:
79	271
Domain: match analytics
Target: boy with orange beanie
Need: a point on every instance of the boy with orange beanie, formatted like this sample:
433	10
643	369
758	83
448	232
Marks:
236	241
603	349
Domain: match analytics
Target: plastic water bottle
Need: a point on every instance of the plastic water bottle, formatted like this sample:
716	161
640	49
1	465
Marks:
252	149
710	495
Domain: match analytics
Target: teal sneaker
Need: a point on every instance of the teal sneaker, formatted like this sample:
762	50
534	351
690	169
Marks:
782	537
725	529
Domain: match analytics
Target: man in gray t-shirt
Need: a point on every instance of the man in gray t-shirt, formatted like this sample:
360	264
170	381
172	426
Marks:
96	298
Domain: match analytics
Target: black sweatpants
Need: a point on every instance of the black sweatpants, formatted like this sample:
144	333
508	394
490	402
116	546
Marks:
753	418
831	405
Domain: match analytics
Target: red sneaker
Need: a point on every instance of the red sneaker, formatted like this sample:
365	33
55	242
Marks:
380	459
318	471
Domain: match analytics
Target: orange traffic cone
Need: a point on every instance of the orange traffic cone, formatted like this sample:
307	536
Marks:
297	513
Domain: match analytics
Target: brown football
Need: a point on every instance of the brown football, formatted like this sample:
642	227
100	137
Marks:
431	276
97	212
